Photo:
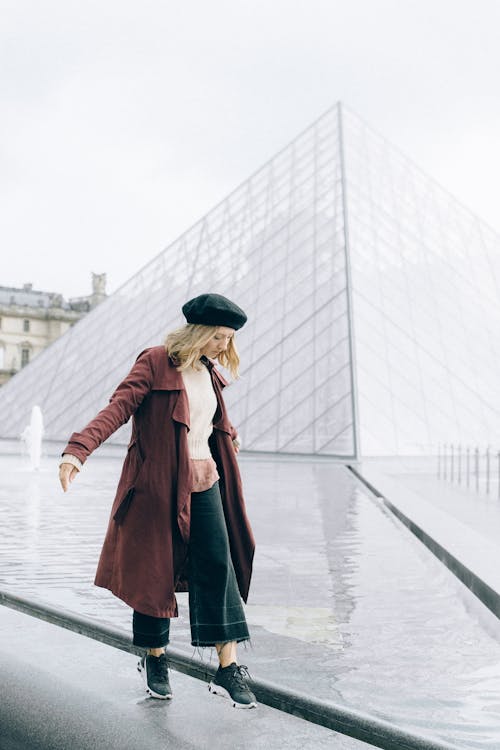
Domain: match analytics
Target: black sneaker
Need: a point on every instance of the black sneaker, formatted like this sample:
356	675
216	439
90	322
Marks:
231	683
154	671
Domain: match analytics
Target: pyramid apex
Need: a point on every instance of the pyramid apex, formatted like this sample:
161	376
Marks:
372	298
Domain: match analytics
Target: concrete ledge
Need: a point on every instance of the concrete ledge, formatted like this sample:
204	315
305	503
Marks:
352	723
472	558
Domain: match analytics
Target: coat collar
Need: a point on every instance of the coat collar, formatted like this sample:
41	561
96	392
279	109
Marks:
166	377
220	421
214	372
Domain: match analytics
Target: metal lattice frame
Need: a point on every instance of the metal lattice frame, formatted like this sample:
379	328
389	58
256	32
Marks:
425	286
373	304
277	246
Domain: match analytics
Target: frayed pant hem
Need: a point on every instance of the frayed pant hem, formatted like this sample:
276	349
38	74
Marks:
208	644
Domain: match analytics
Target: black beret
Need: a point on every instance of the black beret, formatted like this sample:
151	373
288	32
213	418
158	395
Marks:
214	310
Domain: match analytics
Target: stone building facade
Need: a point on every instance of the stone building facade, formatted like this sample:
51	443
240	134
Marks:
30	320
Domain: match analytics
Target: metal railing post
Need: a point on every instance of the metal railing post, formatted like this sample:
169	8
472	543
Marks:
451	458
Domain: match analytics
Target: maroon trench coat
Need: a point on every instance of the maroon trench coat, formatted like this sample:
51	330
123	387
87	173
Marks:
144	557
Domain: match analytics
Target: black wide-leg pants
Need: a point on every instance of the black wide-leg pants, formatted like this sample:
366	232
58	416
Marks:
215	608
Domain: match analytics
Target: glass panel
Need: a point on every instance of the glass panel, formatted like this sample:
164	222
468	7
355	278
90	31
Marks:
275	246
425	277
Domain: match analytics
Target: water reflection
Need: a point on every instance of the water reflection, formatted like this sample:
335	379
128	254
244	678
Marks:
345	602
32	512
32	437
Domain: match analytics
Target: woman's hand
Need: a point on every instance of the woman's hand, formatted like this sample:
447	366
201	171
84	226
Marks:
236	444
67	472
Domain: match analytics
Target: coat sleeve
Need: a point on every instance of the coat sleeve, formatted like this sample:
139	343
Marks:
123	403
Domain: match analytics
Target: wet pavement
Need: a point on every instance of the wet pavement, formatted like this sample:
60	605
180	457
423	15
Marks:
461	526
478	510
346	604
62	691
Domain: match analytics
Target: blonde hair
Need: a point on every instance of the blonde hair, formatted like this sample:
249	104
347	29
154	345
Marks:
184	345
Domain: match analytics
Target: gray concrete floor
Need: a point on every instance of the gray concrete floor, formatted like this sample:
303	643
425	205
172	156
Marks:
62	691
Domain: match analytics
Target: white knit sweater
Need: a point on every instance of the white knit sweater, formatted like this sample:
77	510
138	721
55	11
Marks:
202	407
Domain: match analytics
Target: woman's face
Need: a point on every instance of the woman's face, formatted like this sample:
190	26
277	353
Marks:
218	343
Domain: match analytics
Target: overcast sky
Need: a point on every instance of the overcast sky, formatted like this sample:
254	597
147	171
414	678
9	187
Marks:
124	122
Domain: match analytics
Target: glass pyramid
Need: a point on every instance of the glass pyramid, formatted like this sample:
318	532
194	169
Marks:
372	298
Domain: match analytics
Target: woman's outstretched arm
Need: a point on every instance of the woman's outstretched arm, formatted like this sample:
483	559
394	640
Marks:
123	403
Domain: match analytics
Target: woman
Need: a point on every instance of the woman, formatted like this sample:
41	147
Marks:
179	514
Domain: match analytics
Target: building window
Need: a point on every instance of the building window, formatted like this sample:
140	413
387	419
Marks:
2	356
25	357
26	325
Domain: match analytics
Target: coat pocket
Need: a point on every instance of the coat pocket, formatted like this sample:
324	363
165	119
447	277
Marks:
124	506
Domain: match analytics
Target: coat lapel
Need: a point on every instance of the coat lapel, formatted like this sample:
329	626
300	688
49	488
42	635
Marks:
220	421
168	378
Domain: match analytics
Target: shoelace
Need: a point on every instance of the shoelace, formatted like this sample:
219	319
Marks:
239	674
160	666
